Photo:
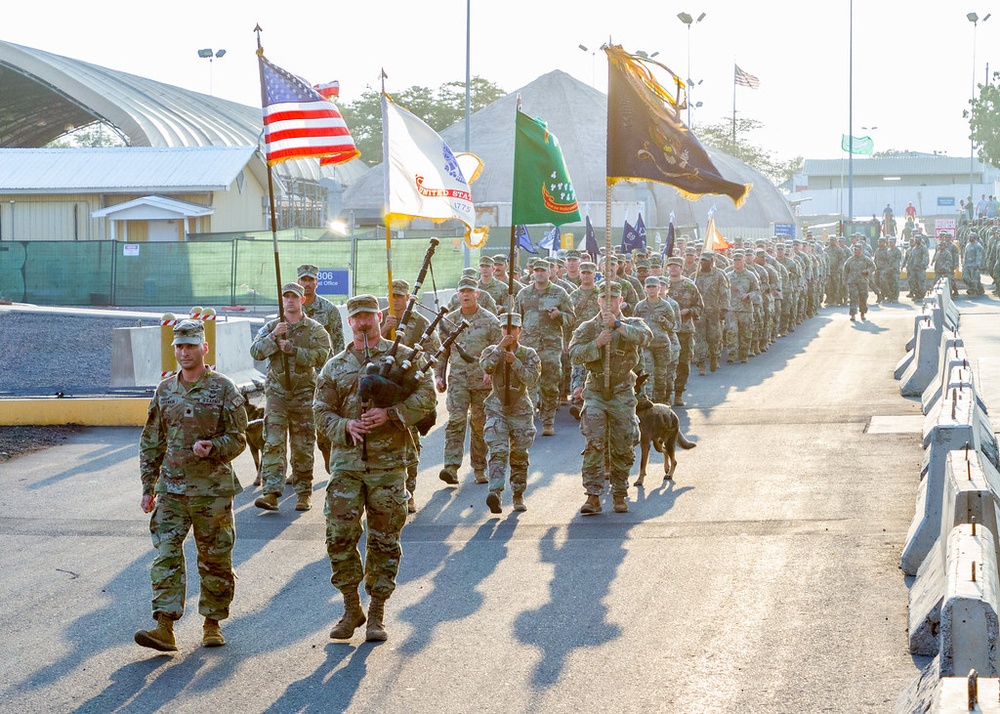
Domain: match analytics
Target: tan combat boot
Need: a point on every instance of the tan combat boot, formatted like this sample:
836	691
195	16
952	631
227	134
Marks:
304	503
269	502
211	634
701	367
620	504
713	363
161	638
354	617
481	476
375	632
518	501
411	505
493	501
449	474
548	428
591	506
678	402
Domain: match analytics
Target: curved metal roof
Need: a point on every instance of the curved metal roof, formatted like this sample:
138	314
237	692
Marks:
43	96
577	114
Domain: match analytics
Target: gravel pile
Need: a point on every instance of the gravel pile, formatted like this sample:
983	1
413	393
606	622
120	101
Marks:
46	353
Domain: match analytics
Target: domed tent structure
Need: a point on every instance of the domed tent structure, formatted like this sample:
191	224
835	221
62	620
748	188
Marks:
577	114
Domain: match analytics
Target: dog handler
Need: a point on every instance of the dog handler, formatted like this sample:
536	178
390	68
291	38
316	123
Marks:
608	421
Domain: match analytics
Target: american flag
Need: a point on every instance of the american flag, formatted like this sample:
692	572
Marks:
299	123
329	89
745	79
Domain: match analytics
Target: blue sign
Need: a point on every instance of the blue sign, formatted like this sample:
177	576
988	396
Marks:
334	281
784	229
944	201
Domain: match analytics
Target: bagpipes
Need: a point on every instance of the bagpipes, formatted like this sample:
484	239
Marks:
389	380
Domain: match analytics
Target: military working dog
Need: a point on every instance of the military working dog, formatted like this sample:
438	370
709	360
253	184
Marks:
659	426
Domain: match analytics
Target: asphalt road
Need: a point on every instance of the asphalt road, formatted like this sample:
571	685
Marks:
765	579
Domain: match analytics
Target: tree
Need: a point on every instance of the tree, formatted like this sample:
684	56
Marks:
720	136
440	108
984	121
92	136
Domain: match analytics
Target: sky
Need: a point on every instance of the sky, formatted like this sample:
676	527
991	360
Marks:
912	68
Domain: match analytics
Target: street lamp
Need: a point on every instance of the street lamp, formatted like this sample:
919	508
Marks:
974	19
208	54
688	20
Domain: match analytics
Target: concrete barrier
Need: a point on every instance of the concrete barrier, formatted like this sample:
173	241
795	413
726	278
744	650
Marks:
969	625
911	344
949	426
135	354
942	291
951	354
969	497
923	368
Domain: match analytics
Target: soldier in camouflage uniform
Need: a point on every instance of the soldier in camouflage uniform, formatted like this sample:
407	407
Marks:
328	315
661	318
609	422
585	306
972	265
501	275
743	289
416	326
916	262
510	415
195	426
790	289
688	298
944	262
857	271
882	265
544	309
833	281
485	299
303	345
467	387
372	447
892	273
714	288
490	285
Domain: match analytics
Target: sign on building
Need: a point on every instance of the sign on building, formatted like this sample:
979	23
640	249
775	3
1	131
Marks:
333	281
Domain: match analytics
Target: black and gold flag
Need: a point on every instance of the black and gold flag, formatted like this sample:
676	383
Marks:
647	141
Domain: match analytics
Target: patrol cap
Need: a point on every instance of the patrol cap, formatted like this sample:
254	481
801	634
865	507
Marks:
780	246
760	252
499	259
561	262
469	272
644	263
362	303
189	332
738	254
708	255
400	287
308	271
651	282
616	289
588	267
485	260
468	284
858	246
674	260
690	250
292	288
574	255
514	317
541	264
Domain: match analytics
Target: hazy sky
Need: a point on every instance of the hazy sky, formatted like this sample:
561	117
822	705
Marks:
913	59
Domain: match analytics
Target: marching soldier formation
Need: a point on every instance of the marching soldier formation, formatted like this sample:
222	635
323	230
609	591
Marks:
566	330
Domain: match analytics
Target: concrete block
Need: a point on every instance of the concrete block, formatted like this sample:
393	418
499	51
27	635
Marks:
969	624
923	368
969	496
951	354
135	354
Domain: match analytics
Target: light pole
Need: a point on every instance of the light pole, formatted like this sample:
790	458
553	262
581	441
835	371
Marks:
688	20
974	19
208	54
593	64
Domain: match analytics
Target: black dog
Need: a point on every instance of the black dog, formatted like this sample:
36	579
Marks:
659	426
255	435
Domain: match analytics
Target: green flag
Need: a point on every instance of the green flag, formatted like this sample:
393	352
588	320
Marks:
543	192
862	144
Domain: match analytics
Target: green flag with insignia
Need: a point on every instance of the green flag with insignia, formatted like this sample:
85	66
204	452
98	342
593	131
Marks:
543	192
861	145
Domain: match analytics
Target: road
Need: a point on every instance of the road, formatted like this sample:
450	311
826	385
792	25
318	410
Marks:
765	579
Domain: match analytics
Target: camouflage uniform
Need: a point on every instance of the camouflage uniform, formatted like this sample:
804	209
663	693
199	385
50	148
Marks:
328	315
510	430
944	263
883	266
975	257
857	270
686	293
485	300
916	261
834	281
609	422
467	388
891	289
193	492
584	307
288	411
790	292
496	290
714	288
743	288
376	486
662	319
415	327
544	335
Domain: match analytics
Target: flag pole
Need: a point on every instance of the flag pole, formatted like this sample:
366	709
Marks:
734	108
510	272
388	229
274	219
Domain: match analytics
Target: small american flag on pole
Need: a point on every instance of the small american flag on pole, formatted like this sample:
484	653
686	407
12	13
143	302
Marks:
299	122
745	79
